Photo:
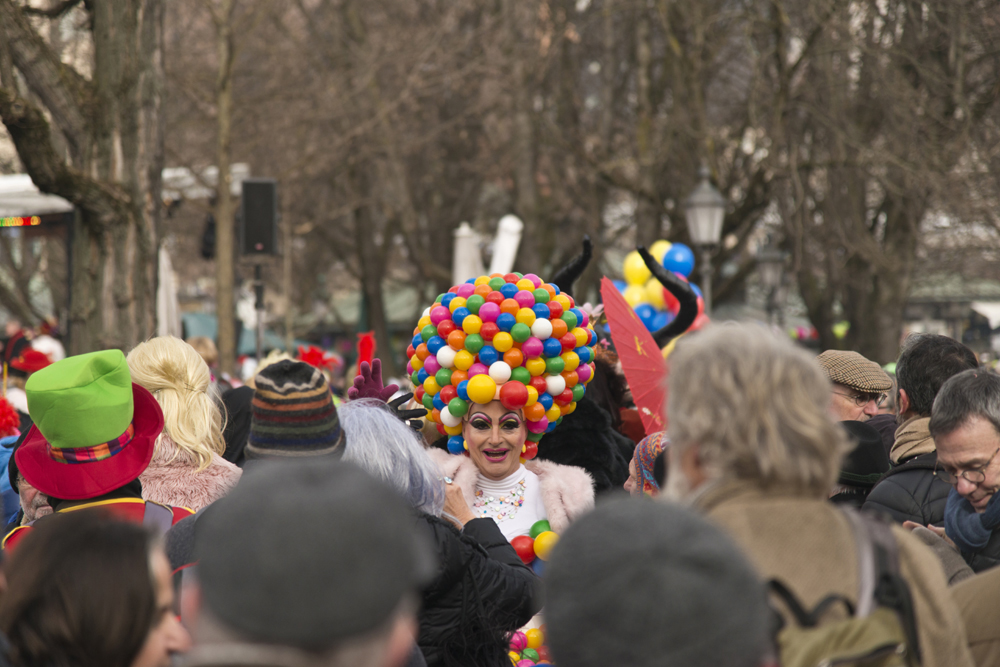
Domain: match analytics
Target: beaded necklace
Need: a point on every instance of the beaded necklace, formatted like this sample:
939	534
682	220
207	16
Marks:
500	507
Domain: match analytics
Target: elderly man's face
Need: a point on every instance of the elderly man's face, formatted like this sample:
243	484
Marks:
34	503
848	404
970	451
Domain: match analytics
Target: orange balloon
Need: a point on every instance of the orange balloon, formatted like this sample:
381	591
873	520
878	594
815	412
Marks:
534	412
509	306
572	379
559	328
459	376
482	290
456	339
422	351
550	289
513	357
435	415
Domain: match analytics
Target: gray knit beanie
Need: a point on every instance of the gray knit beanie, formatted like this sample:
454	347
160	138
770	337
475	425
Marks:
644	583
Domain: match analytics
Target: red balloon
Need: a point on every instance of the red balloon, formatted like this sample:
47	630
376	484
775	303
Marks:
514	395
530	452
418	394
568	342
445	327
525	548
555	310
543	653
410	351
453	289
701	306
440	428
448	392
565	398
495	297
699	322
672	305
488	331
511	278
538	382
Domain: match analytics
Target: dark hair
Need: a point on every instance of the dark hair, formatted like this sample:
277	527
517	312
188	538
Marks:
926	362
81	592
608	387
973	393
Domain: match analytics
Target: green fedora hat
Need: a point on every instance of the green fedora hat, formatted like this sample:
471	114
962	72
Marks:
94	431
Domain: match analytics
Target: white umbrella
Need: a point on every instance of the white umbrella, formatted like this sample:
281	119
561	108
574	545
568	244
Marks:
466	262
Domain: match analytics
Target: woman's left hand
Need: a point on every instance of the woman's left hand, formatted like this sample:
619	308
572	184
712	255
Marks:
456	507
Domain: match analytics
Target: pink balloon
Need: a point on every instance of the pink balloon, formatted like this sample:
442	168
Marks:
431	365
583	322
477	369
535	280
518	641
439	314
532	348
525	663
582	372
409	368
465	290
525	299
488	312
538	426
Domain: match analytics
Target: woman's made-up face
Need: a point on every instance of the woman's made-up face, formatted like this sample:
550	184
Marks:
495	436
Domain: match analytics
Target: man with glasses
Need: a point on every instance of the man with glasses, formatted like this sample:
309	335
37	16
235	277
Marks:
910	491
965	424
859	385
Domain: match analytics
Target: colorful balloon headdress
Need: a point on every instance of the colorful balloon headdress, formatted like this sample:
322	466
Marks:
510	338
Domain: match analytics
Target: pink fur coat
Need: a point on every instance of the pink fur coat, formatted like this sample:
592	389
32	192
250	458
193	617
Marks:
567	491
175	480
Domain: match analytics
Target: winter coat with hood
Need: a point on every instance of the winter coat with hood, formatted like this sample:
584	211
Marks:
173	478
910	491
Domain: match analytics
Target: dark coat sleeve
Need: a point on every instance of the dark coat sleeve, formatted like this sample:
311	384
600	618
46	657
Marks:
910	495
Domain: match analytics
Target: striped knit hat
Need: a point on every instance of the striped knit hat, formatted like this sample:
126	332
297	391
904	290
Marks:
293	413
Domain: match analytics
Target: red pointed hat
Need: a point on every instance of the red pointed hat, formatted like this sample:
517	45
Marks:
95	430
30	361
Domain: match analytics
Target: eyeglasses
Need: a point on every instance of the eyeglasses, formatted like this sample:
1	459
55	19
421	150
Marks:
861	400
975	475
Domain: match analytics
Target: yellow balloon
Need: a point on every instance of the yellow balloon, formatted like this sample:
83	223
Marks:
481	389
544	544
659	249
635	269
535	638
654	294
635	294
453	430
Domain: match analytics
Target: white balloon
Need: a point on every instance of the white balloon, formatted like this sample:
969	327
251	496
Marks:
541	329
446	356
555	384
500	371
427	312
449	419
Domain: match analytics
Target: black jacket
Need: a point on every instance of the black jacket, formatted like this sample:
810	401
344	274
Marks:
587	439
911	492
482	592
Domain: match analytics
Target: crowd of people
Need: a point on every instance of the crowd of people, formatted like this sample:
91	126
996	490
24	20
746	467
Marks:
509	510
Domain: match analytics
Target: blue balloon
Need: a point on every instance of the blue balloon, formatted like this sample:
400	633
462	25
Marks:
546	400
417	340
470	281
585	354
508	290
422	375
620	285
489	355
438	403
448	298
552	426
456	444
506	321
538	565
541	311
552	347
645	313
660	320
459	315
679	259
696	290
435	344
556	288
462	389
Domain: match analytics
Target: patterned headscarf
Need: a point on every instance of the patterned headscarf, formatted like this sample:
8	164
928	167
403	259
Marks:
645	457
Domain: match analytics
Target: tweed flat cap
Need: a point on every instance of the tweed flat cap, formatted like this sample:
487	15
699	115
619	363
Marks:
852	370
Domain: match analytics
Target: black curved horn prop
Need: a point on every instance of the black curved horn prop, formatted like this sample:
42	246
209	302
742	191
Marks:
567	275
682	292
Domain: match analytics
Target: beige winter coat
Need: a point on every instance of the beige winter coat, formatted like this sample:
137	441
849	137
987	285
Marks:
807	543
978	600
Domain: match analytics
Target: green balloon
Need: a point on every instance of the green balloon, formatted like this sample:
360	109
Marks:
570	320
520	374
518	274
415	379
428	401
438	300
535	437
457	407
541	295
473	303
520	332
578	391
496	283
538	528
474	343
443	377
529	654
554	365
428	332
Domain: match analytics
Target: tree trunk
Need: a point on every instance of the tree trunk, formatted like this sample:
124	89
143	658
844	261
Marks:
225	307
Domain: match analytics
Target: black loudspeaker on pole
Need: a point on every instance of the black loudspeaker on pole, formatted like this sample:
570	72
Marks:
259	217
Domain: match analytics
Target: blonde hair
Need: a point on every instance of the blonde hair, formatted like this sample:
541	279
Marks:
205	346
756	406
180	380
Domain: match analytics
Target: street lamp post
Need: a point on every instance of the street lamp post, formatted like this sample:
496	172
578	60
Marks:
704	209
771	264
